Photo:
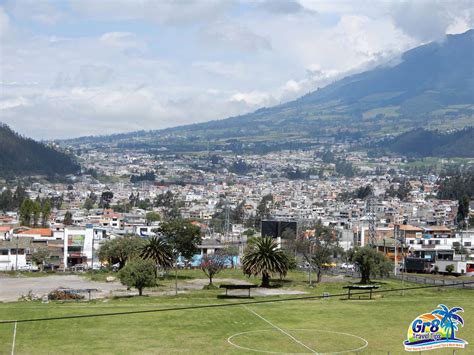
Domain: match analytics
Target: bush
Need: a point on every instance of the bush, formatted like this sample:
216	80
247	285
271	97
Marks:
450	268
138	273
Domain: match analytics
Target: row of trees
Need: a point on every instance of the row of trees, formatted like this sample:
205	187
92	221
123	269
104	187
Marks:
264	257
35	213
138	260
10	201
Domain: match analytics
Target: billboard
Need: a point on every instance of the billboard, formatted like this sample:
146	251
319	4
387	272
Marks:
275	229
76	240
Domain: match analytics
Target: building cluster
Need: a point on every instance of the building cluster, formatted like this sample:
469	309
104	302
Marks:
208	189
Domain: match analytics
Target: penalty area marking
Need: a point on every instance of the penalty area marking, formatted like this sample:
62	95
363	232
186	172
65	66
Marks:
356	350
280	330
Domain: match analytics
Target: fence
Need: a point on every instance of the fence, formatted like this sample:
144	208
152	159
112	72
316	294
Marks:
434	281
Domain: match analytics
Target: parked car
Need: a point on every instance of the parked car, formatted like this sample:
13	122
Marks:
347	266
28	267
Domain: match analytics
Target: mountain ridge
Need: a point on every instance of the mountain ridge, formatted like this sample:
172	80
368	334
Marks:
431	84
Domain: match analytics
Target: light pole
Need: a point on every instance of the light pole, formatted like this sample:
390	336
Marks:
92	251
310	262
176	274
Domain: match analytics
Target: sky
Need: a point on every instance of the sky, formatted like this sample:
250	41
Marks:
71	68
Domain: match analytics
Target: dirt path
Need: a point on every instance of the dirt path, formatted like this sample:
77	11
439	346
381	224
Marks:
12	288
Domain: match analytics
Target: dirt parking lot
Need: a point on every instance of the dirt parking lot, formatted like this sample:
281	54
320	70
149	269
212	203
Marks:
11	288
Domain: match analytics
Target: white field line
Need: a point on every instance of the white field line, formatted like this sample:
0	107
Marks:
281	330
14	339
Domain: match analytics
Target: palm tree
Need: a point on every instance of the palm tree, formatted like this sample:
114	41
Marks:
159	251
450	319
264	257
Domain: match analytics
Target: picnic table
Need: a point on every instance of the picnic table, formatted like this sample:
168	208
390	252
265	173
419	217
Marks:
370	288
237	287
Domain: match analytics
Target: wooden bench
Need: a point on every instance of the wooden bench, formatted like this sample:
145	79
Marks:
237	287
360	287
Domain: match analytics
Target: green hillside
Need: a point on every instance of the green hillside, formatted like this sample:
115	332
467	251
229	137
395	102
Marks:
432	87
425	143
21	156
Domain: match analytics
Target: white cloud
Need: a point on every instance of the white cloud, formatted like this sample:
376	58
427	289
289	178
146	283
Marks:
13	103
84	67
234	36
39	11
253	98
219	68
5	26
122	40
162	11
281	6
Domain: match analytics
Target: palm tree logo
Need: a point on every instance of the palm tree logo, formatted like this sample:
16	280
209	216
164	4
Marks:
450	320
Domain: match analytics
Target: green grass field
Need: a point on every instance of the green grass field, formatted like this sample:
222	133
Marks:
308	324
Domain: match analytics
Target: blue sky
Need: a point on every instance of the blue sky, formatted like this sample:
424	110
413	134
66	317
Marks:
85	67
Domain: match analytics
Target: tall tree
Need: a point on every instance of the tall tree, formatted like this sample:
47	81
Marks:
264	257
106	199
152	217
67	221
138	273
159	251
370	263
463	211
181	235
263	209
45	213
40	256
19	196
119	250
26	211
6	200
318	250
36	213
88	204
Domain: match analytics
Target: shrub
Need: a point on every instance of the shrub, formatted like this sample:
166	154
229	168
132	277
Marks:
138	273
450	268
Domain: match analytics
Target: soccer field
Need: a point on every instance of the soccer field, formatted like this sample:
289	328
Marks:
333	325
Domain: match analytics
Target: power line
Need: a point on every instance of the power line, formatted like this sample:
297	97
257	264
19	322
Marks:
224	304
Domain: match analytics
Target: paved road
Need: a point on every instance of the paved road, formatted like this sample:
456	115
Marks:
11	288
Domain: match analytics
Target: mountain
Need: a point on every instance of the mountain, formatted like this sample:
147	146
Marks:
423	143
431	86
21	156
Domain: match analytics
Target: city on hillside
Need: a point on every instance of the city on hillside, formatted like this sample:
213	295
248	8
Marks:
236	177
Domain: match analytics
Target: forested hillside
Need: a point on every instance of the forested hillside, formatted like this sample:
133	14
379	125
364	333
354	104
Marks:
424	143
20	156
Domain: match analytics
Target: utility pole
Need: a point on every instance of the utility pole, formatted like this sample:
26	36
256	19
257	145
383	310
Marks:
176	274
226	222
402	242
16	254
395	236
310	265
